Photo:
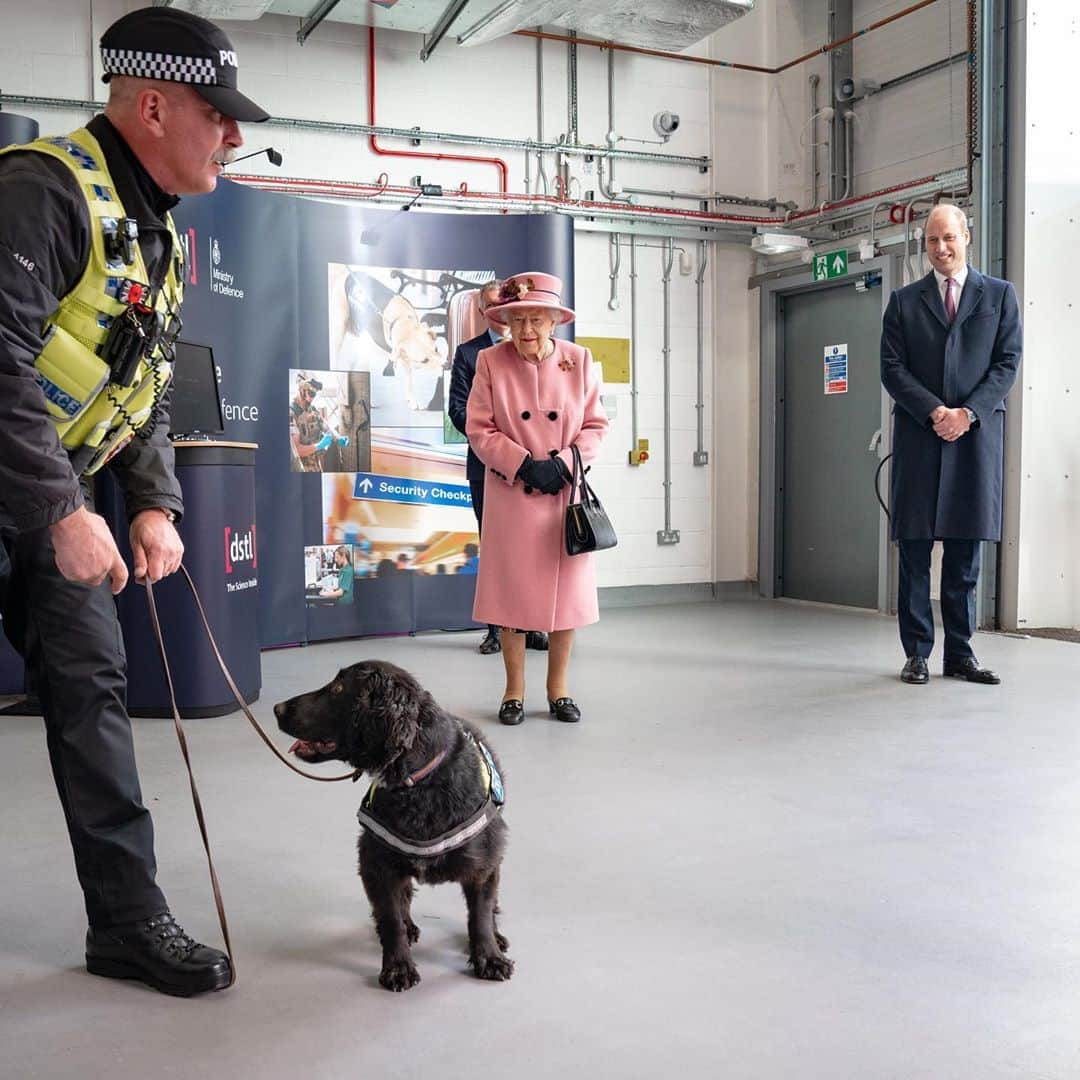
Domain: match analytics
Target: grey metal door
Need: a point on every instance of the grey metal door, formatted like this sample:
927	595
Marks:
829	523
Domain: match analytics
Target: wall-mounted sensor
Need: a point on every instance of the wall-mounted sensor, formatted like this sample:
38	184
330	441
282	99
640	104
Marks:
665	124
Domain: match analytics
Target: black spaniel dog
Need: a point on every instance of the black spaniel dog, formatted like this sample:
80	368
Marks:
432	812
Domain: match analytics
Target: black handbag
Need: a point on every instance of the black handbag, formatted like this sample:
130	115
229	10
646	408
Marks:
587	524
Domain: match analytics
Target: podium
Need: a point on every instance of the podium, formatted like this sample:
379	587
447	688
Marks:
221	555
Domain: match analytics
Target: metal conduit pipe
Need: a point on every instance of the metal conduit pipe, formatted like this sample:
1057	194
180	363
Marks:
701	456
571	89
986	136
911	272
608	189
633	345
702	198
614	260
849	153
873	221
413	133
541	175
726	224
815	79
665	535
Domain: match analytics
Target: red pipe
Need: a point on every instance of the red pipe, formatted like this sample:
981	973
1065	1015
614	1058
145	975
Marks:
497	162
352	189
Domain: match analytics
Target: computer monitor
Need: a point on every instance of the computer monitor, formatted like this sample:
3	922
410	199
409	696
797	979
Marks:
196	401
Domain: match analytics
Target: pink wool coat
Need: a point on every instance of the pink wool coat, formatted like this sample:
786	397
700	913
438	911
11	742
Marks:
516	408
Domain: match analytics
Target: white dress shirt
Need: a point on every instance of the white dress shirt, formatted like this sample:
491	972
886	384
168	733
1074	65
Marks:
959	277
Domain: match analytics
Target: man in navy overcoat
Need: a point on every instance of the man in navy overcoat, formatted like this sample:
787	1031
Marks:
950	349
461	380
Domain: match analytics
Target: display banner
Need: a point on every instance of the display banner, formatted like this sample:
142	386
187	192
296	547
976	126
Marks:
333	328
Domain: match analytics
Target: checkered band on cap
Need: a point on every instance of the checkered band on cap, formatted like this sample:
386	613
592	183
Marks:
159	65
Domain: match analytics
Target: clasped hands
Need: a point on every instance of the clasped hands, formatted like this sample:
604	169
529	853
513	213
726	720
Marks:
549	475
950	424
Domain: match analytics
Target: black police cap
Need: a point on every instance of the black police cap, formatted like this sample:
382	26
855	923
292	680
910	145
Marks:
176	46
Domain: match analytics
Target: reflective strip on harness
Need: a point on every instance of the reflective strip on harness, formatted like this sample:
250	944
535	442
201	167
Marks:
440	845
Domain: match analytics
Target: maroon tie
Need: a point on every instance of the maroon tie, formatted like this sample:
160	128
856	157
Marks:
950	302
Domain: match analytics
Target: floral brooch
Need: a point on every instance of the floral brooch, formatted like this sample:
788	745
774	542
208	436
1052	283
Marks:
567	363
511	291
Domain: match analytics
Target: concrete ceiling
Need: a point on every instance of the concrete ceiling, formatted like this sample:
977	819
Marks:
670	25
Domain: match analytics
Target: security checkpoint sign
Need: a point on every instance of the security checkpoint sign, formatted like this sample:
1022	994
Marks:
836	367
830	264
410	489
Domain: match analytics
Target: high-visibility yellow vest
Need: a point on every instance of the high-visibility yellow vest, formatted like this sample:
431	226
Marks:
95	415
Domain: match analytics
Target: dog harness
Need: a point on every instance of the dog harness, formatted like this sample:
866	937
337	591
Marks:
452	839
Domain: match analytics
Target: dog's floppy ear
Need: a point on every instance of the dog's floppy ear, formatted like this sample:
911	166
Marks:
393	702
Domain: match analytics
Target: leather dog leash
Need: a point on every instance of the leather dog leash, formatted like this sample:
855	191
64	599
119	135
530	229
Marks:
182	739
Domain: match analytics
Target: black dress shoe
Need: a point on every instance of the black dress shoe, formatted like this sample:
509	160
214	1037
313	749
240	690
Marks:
968	668
564	709
915	671
536	639
491	642
157	952
511	712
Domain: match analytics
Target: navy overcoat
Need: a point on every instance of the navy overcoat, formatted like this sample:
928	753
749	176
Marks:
944	490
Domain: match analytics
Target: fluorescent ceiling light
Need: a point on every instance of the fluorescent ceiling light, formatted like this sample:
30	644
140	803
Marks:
767	243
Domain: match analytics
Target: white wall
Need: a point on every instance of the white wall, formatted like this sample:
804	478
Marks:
1048	391
50	50
903	133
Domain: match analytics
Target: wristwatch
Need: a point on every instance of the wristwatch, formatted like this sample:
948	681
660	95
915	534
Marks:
972	418
168	513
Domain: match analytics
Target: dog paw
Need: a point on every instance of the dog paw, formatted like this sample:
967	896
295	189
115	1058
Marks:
502	941
496	968
412	931
398	976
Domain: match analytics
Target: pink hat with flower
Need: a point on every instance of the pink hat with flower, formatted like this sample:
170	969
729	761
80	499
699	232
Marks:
530	290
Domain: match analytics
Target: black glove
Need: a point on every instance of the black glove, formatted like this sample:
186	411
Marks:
549	475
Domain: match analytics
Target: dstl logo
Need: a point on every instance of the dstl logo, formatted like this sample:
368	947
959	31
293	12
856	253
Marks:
240	548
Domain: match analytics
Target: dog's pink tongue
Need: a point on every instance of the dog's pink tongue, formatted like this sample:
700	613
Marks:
296	746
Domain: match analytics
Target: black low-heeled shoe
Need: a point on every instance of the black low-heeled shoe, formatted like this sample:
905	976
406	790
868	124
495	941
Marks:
511	712
564	709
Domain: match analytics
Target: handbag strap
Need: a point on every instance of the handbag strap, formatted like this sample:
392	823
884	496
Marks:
577	480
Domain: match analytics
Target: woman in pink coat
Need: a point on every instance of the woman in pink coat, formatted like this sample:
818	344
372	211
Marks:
533	397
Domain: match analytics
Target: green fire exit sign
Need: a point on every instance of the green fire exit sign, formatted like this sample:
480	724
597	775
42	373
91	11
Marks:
830	264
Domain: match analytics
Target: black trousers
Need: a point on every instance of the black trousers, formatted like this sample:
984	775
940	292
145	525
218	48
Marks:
69	636
959	574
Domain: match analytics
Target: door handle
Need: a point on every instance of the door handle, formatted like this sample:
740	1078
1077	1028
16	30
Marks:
875	441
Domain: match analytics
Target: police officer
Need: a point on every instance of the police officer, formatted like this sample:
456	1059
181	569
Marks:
90	290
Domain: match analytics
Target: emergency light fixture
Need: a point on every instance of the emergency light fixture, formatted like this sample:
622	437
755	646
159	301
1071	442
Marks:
769	243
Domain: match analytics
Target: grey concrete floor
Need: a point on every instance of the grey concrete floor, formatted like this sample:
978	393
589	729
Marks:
759	856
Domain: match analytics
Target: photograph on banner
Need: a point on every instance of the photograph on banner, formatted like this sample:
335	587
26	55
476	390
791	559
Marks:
402	325
329	570
329	421
400	523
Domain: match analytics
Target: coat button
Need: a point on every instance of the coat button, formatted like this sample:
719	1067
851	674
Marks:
553	415
526	415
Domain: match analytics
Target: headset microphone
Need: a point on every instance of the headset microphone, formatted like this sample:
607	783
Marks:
269	151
